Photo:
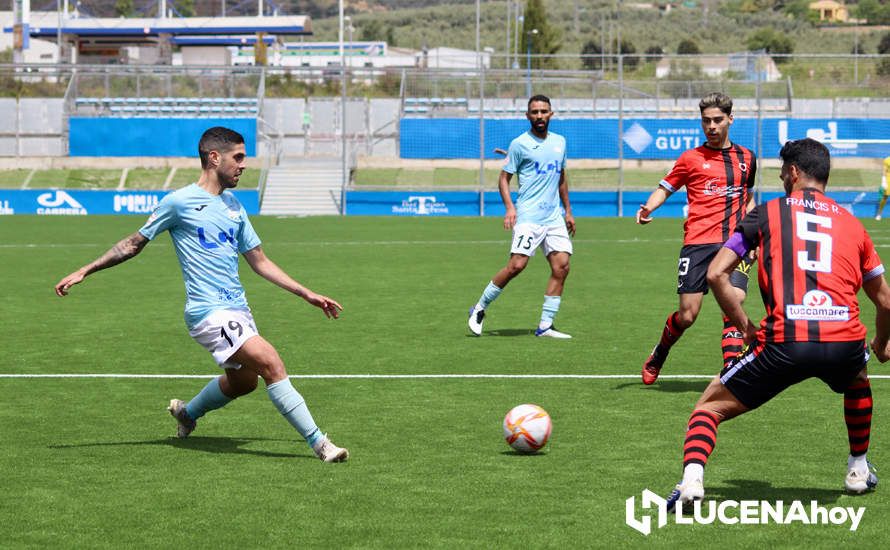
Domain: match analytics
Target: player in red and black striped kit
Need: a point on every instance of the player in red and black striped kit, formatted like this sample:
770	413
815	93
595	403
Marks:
814	257
719	181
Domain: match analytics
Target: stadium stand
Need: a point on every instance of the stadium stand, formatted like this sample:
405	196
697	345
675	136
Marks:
165	106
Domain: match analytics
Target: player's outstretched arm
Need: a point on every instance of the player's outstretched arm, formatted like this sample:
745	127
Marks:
269	270
879	293
119	253
504	189
656	199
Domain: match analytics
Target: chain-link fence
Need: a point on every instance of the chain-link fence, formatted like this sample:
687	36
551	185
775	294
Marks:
630	115
627	126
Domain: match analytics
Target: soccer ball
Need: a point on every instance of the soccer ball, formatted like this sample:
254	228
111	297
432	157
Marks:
527	428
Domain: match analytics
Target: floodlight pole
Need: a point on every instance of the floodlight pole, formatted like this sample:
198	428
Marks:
343	168
58	31
481	71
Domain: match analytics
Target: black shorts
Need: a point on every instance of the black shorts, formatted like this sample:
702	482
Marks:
766	370
692	269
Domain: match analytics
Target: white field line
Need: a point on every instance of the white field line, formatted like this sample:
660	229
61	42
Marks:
351	243
635	376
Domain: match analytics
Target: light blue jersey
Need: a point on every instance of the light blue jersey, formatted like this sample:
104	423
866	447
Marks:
208	232
539	164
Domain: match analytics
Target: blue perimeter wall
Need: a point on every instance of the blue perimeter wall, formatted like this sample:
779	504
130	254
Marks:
644	139
69	202
584	203
375	203
149	137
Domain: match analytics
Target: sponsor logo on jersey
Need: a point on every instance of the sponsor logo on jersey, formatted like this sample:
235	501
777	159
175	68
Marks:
547	168
59	203
713	187
221	238
817	306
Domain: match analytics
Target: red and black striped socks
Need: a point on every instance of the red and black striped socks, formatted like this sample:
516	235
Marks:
701	436
857	415
732	342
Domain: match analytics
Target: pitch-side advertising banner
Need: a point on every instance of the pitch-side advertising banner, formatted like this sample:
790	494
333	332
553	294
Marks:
643	139
584	203
69	202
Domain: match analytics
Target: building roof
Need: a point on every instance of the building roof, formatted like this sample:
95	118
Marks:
825	4
46	24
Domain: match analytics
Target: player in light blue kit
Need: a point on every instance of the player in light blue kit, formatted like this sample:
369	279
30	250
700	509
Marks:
209	228
538	157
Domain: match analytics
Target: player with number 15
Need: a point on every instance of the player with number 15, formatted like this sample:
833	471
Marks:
538	157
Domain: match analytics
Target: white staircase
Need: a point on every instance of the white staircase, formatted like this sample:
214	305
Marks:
303	187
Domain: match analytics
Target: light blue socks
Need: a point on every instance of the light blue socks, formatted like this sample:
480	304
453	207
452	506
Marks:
489	295
208	399
293	407
549	311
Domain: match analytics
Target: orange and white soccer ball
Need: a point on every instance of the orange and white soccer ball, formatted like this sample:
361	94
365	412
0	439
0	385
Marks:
527	428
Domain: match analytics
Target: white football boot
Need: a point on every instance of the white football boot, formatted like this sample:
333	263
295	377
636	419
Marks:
686	493
859	481
326	451
475	320
551	332
185	424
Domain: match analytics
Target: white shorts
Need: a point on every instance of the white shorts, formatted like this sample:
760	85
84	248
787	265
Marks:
223	332
528	237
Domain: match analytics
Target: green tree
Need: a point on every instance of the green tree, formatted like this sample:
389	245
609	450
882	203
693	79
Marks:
688	46
591	55
654	54
123	8
772	42
186	8
545	41
874	11
630	62
371	30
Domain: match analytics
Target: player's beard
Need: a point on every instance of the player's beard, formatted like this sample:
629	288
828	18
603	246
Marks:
228	182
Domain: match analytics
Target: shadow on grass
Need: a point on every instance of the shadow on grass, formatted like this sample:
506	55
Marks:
523	455
669	386
509	332
218	445
748	489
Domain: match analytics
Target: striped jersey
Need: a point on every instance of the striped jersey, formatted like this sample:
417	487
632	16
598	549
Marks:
718	183
813	257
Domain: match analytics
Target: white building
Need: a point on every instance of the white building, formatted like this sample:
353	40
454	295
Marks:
377	55
744	64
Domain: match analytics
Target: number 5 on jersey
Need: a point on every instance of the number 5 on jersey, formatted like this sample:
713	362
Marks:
822	262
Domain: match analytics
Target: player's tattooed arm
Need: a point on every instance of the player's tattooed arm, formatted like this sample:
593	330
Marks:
127	248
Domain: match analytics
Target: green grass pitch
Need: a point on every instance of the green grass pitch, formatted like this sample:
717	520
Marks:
92	462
